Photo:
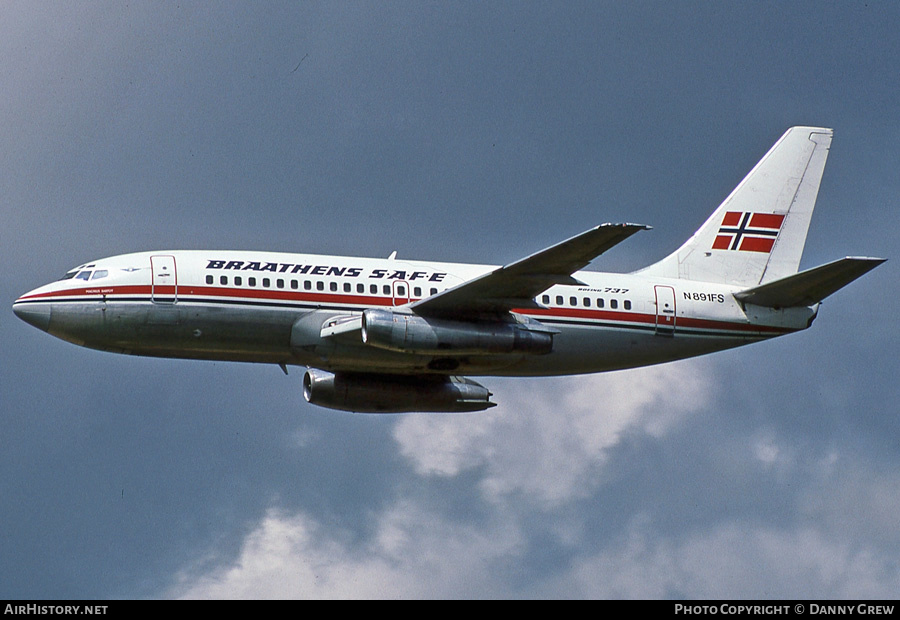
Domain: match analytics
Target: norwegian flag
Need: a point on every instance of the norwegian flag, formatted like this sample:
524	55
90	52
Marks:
749	232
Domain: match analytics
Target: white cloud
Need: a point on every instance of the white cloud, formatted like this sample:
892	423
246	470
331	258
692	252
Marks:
548	438
413	553
738	560
416	553
549	443
767	450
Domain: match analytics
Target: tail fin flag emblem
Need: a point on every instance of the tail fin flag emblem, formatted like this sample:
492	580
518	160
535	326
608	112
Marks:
748	232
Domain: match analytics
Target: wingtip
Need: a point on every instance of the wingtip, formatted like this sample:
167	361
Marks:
868	259
625	225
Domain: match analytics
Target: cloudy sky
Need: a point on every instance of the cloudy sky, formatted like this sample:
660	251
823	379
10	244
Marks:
473	132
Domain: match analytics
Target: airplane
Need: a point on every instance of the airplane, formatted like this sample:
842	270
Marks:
386	335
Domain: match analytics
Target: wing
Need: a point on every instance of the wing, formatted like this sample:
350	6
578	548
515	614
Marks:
515	285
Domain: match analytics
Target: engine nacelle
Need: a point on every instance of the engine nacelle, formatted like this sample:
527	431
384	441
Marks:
409	333
371	393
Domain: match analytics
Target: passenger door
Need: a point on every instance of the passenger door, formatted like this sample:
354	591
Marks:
164	285
665	310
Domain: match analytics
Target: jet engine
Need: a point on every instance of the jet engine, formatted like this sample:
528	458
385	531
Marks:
409	333
375	393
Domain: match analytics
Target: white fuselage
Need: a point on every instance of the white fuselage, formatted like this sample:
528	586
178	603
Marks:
392	336
271	308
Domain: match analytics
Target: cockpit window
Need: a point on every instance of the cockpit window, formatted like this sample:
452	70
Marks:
100	273
82	272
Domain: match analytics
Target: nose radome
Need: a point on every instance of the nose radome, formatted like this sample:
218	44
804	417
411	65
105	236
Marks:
33	314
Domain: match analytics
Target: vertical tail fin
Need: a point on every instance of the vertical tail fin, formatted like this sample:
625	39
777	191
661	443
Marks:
757	234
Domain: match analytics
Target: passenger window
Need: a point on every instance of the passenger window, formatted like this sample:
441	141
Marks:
387	289
238	280
434	291
333	286
373	288
223	279
559	300
417	291
295	285
307	285
401	291
360	288
347	288
267	282
545	299
320	286
573	301
279	283
209	279
627	305
599	302
251	281
613	303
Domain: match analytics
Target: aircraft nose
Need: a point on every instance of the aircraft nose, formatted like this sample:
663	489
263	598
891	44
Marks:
33	314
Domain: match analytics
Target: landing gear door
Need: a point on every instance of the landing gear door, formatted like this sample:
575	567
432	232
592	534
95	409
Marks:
665	310
164	286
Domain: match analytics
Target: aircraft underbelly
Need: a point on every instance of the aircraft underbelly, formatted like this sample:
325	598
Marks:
175	330
290	336
581	350
576	350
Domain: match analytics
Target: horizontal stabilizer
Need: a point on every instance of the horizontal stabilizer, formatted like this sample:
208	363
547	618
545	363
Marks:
811	286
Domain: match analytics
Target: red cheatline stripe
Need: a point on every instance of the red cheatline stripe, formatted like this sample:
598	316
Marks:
186	292
91	290
685	322
636	317
579	313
